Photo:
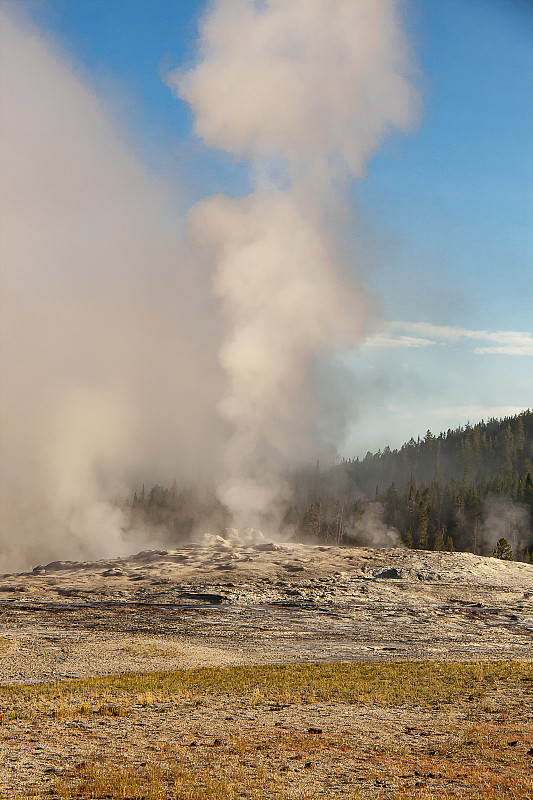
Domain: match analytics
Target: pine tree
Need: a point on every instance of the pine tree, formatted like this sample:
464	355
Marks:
438	539
503	550
508	450
519	435
407	539
476	536
422	529
312	521
449	545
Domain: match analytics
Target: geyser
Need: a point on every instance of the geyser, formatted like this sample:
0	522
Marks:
305	91
137	343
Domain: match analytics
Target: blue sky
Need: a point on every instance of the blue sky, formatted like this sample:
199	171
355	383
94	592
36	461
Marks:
443	221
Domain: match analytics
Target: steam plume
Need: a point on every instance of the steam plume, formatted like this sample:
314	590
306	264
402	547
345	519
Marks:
108	367
304	89
503	519
129	348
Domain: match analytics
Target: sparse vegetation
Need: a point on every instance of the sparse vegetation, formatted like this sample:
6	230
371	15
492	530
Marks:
421	683
477	743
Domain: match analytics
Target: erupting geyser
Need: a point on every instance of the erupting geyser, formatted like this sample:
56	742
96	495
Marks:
132	345
304	91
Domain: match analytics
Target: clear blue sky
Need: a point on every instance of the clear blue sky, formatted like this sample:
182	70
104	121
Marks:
444	226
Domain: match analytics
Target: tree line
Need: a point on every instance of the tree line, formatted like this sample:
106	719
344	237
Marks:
461	490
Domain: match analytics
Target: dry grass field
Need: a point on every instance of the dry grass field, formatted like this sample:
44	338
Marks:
380	730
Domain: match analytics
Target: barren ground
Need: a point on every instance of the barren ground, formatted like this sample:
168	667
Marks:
265	604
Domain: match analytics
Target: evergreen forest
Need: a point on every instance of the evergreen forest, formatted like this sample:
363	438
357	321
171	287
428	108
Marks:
465	490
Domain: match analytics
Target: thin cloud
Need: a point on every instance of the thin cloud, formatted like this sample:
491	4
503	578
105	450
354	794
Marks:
422	334
519	347
380	340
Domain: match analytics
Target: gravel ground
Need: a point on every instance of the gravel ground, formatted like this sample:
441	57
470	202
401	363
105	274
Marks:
331	750
263	604
206	606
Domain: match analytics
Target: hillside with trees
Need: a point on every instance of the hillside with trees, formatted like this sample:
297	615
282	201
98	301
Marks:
461	490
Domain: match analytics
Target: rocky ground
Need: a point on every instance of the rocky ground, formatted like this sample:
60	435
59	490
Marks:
267	603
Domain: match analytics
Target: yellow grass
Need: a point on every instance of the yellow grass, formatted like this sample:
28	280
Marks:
473	758
423	683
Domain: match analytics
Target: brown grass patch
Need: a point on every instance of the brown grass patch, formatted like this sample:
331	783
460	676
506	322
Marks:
478	747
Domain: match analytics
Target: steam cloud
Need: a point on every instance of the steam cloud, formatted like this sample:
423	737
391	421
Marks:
503	519
134	344
108	347
370	530
305	91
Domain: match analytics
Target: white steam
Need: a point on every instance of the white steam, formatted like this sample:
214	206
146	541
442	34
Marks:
370	529
304	89
302	80
107	346
128	349
503	519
